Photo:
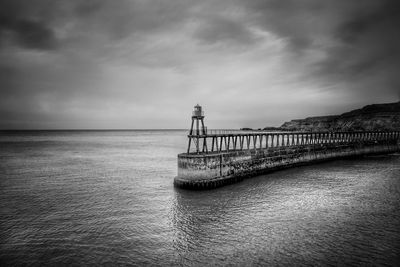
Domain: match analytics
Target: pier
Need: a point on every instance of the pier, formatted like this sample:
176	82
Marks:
218	157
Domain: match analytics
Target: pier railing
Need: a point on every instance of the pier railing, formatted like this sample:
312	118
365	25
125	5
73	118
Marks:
232	140
235	131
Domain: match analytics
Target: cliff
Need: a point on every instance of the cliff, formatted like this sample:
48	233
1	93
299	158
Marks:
376	117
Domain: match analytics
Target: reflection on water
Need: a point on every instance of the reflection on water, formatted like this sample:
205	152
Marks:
93	198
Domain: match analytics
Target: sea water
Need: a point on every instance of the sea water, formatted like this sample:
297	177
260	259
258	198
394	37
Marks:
107	198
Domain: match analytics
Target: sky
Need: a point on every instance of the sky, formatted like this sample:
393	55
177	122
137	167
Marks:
144	64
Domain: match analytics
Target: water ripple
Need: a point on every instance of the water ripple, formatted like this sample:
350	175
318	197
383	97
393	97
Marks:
106	198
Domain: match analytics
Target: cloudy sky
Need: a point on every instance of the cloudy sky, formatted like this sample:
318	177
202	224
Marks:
145	63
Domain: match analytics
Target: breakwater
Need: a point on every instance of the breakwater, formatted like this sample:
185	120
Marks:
233	157
216	158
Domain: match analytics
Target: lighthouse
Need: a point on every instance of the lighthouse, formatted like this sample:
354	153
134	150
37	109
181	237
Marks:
199	129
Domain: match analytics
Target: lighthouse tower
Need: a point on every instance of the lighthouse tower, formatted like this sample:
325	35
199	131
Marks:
196	133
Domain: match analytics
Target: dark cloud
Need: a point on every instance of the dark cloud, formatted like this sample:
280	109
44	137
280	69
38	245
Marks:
296	21
368	47
88	7
89	59
37	24
359	41
29	34
219	29
26	24
384	16
125	18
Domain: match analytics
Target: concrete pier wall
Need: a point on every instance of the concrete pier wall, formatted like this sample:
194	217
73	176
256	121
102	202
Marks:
211	170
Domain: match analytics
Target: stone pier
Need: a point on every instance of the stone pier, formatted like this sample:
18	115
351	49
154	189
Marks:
222	158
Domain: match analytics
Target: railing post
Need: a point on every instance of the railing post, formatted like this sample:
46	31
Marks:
190	140
205	144
234	142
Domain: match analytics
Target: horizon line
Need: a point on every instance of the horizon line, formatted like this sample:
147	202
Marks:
82	129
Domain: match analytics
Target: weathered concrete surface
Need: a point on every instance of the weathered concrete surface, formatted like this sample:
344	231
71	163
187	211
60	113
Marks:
206	171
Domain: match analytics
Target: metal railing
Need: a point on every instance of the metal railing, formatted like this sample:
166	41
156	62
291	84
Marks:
235	131
228	140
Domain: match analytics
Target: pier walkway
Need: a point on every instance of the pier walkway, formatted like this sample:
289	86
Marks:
228	140
218	157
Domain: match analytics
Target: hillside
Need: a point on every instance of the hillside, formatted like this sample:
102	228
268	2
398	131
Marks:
376	117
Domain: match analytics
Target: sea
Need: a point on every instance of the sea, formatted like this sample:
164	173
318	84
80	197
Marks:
106	198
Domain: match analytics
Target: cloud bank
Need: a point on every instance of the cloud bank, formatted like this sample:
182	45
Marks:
145	64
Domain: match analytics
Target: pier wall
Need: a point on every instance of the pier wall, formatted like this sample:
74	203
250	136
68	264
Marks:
215	169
